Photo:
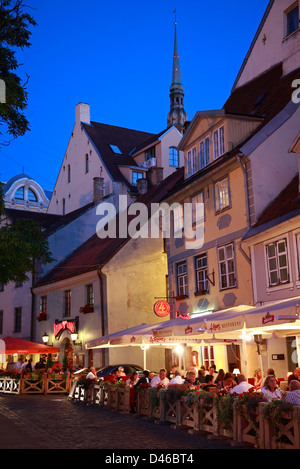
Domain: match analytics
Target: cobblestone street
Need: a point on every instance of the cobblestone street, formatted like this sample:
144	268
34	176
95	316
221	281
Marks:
54	422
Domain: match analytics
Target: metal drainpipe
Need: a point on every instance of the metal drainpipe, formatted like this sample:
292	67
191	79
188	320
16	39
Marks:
247	207
100	276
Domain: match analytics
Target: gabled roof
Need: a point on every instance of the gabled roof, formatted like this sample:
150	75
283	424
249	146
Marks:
104	135
284	207
95	252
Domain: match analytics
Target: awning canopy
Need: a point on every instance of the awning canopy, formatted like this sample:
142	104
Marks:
223	326
11	345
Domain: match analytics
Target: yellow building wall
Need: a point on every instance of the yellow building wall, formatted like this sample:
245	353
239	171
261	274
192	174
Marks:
135	279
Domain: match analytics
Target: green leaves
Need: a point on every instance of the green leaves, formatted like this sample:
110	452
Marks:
21	245
14	34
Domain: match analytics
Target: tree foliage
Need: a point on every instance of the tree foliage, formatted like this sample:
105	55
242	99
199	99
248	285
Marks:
14	35
22	243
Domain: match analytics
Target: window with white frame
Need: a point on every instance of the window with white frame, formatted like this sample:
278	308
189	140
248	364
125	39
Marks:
178	218
198	208
277	262
222	199
192	162
204	152
219	142
226	261
182	280
207	355
201	273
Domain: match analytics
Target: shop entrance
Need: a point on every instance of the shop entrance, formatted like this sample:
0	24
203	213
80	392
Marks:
67	353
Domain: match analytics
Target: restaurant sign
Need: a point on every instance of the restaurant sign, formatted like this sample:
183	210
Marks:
225	325
60	326
162	308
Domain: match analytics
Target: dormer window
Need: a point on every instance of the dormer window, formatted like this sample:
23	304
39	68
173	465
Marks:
150	153
219	142
135	176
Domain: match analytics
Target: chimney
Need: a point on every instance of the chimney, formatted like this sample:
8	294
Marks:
98	190
142	186
159	175
82	113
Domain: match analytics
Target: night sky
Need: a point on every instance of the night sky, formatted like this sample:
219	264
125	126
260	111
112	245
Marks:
117	56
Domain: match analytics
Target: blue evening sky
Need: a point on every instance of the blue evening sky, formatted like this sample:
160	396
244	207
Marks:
117	56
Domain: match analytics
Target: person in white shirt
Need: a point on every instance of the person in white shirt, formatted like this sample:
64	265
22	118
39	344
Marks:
177	379
242	385
293	396
160	381
270	390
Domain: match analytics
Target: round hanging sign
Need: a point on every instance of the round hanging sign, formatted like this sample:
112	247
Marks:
162	308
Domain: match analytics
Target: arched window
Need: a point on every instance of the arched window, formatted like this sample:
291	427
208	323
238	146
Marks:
32	196
19	194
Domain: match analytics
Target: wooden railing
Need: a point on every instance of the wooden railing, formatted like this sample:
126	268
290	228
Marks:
243	420
36	384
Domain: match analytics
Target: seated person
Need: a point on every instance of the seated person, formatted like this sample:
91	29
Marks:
227	383
177	379
270	389
191	379
293	396
209	383
242	385
160	381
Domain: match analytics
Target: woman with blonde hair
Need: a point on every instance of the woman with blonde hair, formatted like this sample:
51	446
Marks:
258	379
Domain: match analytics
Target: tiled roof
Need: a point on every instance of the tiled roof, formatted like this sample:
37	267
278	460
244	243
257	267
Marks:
45	219
264	96
104	135
95	251
284	207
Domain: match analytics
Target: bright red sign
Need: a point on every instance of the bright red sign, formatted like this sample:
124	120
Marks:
162	308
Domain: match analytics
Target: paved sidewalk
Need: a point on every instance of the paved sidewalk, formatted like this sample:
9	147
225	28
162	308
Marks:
54	422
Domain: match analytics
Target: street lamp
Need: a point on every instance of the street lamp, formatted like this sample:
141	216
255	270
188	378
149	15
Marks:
74	337
45	338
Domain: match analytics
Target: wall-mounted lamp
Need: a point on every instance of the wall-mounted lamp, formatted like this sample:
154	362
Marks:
74	337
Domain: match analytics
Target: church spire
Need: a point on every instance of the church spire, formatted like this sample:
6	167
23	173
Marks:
177	115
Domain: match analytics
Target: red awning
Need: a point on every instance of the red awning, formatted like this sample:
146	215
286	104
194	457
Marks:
20	346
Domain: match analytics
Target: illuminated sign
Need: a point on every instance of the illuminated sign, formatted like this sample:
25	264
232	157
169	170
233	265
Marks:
162	308
268	318
60	326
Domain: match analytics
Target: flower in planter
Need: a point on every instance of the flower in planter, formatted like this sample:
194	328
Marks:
42	316
86	309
